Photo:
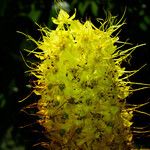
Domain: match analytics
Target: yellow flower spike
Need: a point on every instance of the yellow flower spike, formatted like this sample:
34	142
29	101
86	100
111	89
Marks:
83	87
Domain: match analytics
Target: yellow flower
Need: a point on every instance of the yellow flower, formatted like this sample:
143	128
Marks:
82	104
63	18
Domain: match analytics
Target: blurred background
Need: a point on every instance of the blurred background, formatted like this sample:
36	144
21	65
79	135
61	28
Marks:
16	132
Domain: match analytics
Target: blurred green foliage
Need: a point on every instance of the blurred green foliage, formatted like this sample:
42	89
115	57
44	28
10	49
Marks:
21	15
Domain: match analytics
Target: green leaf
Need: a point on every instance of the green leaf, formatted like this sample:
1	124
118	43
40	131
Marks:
147	19
143	26
94	8
34	13
2	100
82	7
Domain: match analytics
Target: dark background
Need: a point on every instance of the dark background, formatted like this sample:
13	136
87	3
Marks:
21	15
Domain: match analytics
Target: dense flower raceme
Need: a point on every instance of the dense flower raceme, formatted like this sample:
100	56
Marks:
83	86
